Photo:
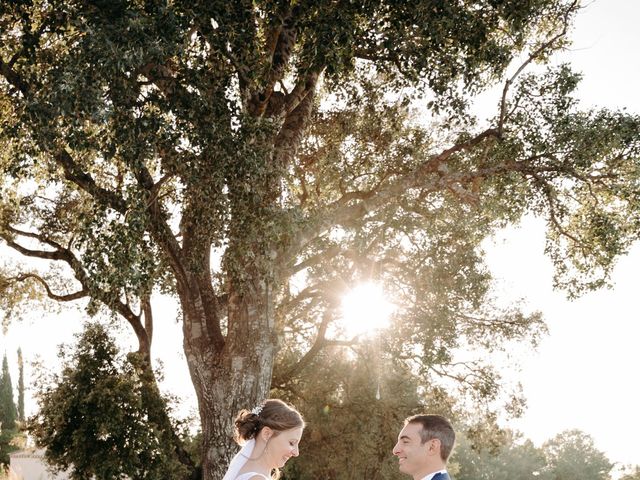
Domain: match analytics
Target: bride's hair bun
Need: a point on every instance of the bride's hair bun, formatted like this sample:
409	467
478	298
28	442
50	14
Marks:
247	425
272	413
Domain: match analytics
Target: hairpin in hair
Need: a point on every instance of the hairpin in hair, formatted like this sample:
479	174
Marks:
257	409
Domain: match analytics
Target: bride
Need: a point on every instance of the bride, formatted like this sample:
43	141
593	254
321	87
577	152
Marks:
270	434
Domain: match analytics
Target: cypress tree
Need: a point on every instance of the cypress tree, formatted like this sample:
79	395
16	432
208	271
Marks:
20	386
8	412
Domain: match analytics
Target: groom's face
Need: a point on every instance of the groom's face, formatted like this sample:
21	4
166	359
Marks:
412	454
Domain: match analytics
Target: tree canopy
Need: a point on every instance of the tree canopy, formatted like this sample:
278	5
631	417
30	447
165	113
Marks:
255	158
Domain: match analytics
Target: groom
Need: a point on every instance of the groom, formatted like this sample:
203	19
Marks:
423	447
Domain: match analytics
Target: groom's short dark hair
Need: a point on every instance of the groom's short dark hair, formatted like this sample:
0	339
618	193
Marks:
435	426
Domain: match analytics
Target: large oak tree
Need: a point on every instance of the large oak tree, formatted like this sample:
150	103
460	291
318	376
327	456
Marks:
253	158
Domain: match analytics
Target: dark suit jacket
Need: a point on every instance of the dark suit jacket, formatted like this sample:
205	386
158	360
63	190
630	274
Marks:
442	476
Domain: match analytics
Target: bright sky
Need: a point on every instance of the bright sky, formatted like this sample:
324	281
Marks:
584	374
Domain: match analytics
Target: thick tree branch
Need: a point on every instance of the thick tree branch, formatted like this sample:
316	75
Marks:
54	296
290	135
144	342
28	252
279	45
315	259
375	57
147	311
311	292
302	89
75	174
36	236
197	251
13	78
212	309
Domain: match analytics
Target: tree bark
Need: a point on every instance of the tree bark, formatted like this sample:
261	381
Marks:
235	377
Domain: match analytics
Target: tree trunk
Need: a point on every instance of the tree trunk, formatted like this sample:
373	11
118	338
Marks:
236	377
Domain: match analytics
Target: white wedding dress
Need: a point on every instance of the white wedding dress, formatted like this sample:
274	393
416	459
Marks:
238	462
248	475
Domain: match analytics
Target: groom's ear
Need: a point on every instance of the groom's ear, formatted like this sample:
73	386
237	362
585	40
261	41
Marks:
266	433
433	446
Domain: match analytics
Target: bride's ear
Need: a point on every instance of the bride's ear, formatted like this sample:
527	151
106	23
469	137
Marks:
266	433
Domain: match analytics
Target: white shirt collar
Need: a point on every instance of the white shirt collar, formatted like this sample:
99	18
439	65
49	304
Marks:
433	474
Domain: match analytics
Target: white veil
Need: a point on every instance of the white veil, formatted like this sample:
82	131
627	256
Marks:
239	460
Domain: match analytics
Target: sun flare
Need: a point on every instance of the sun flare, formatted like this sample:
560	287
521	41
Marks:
365	309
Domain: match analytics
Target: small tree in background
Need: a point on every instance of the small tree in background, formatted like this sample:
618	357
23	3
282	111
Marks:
93	417
631	473
572	455
8	414
515	458
20	386
8	411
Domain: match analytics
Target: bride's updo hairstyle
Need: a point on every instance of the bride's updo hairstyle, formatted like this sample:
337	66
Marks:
272	413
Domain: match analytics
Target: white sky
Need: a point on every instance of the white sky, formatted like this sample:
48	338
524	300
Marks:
584	374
